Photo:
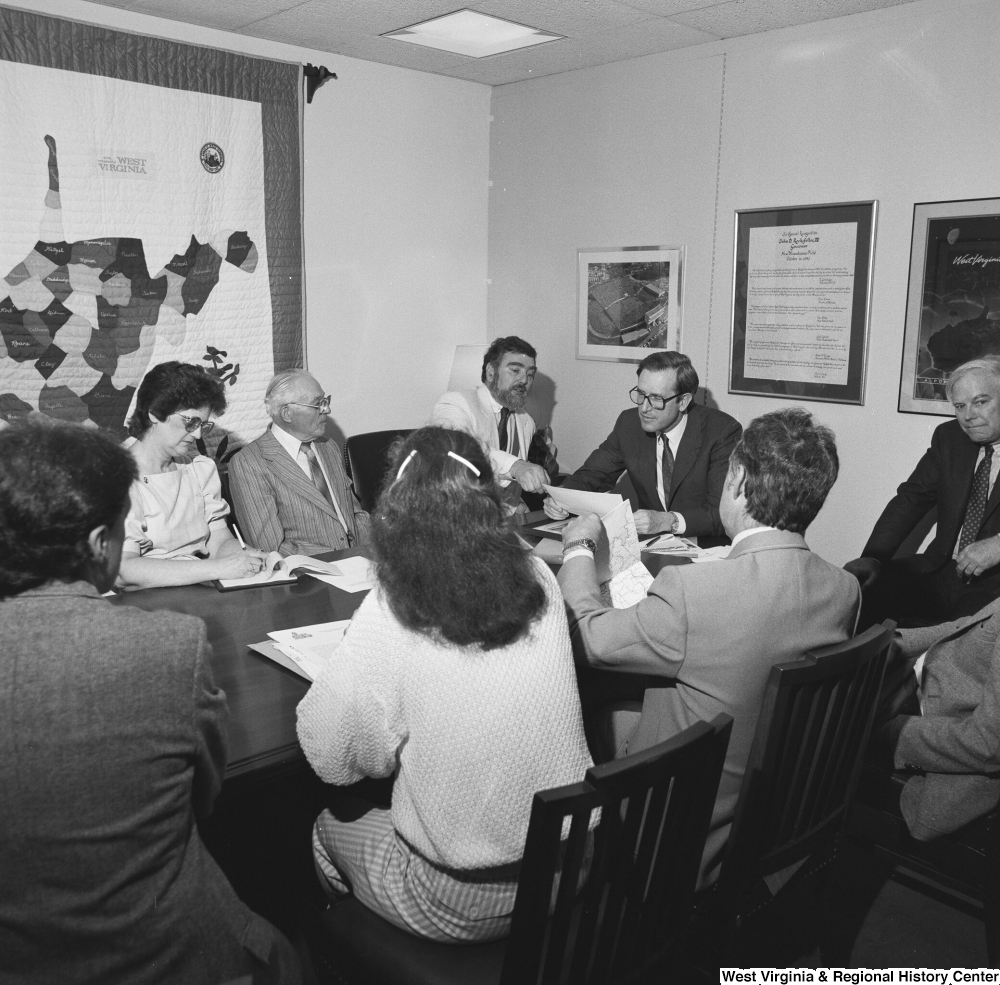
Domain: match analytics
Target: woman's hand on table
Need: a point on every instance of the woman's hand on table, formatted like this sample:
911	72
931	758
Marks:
242	564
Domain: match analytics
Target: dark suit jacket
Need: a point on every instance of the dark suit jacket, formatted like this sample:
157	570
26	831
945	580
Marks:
957	737
279	509
942	478
700	466
112	742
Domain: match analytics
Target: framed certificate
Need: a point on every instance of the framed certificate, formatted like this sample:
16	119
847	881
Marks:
953	298
802	280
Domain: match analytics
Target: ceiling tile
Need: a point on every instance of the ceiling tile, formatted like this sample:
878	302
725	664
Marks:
740	17
225	15
647	38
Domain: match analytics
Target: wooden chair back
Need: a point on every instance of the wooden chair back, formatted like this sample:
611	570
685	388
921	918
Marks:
637	898
804	763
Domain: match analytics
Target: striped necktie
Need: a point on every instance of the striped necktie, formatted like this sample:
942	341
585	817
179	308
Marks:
319	481
668	469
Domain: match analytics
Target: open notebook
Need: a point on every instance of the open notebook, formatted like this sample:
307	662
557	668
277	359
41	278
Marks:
350	574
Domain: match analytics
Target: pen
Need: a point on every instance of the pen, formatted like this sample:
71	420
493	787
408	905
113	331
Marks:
236	530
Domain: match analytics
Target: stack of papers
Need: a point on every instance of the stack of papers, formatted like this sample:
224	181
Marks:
310	647
671	546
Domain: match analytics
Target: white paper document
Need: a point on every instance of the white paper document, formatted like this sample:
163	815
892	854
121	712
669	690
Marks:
800	298
311	646
350	574
580	501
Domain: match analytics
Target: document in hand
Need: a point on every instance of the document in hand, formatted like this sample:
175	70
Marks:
351	574
622	574
308	648
581	501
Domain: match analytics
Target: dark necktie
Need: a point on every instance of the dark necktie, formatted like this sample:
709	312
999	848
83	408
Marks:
668	469
319	481
976	509
502	427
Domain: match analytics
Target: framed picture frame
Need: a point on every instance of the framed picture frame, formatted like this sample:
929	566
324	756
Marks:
952	299
802	282
629	301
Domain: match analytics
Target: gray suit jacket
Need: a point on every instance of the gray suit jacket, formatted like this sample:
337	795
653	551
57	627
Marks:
279	509
112	742
957	738
715	630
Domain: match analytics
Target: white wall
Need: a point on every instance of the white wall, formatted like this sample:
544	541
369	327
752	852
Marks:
896	105
395	220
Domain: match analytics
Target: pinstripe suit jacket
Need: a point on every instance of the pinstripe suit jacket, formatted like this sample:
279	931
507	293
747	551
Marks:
279	509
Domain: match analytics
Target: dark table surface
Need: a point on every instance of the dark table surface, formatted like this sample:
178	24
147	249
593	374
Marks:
262	695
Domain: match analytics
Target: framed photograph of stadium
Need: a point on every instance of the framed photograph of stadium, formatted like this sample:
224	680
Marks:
629	301
802	283
953	298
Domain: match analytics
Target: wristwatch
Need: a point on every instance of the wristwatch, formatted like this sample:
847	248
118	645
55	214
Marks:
583	542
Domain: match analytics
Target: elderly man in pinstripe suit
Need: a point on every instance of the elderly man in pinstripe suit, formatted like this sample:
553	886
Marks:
288	486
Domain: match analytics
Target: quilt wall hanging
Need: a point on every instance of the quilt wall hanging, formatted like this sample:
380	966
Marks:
150	210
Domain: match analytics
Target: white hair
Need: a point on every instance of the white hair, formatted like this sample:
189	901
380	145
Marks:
282	386
990	365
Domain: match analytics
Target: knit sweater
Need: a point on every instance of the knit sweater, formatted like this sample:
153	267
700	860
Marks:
476	733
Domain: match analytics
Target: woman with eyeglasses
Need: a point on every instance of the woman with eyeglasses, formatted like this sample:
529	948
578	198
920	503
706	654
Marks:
176	532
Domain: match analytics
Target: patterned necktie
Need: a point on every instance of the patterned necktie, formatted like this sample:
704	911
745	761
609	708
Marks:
668	469
319	481
976	509
502	428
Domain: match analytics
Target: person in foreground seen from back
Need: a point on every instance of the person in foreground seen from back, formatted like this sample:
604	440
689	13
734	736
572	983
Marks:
112	744
455	675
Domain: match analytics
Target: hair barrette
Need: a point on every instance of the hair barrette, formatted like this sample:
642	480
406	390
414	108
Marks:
465	462
407	461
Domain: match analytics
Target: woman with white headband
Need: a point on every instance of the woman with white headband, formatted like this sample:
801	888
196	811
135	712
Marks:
456	676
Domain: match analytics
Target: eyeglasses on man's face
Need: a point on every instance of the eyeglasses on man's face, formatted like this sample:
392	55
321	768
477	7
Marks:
655	400
191	424
323	406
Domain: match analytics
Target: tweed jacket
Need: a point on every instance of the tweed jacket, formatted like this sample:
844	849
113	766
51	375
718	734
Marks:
942	478
279	509
700	466
112	743
714	630
472	411
956	739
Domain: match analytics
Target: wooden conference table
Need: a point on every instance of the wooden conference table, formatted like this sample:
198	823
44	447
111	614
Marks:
263	695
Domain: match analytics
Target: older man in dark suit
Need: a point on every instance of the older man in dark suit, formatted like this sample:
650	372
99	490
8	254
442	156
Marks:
952	735
959	572
676	453
288	486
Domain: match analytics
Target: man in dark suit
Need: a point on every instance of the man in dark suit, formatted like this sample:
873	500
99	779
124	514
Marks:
288	486
959	573
676	453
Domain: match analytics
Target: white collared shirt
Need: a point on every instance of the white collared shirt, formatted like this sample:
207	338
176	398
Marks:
293	446
673	437
749	532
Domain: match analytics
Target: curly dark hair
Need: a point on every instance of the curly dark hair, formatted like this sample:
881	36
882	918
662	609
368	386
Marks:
170	387
791	465
58	482
449	562
499	347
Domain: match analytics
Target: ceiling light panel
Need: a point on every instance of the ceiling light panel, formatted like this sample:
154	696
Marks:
467	32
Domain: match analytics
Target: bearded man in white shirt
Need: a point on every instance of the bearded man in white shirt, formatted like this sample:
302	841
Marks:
494	413
289	488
